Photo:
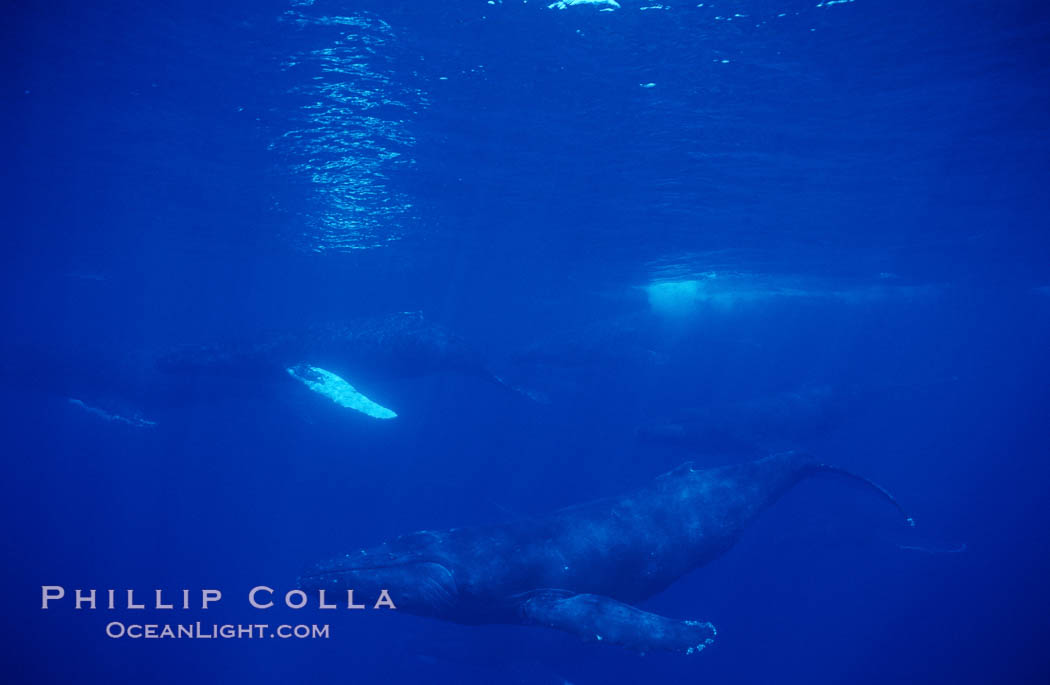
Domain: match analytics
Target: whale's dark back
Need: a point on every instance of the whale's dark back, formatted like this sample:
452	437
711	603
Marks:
400	344
404	344
629	547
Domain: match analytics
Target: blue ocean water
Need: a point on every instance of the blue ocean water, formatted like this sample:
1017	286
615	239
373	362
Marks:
815	226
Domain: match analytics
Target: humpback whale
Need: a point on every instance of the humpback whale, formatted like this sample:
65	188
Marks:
582	568
403	344
320	357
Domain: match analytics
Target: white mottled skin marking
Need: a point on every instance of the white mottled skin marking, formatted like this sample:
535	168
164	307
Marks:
563	4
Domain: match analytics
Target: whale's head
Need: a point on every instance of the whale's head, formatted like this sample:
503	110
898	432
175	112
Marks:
411	569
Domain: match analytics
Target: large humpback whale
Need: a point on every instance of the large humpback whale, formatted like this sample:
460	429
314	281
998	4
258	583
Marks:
580	569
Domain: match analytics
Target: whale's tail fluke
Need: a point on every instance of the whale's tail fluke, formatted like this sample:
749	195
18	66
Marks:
531	395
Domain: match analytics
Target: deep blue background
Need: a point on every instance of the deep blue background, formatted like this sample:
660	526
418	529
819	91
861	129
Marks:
866	181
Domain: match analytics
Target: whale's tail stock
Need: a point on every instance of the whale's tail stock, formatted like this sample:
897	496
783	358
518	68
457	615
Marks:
801	465
517	390
882	492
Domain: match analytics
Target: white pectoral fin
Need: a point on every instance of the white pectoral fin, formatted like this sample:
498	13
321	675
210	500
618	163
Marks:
335	388
596	618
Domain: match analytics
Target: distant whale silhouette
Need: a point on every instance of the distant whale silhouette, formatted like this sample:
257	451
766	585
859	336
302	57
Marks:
764	423
569	364
579	569
777	421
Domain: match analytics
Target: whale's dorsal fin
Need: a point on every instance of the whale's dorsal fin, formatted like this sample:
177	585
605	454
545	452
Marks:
335	388
596	618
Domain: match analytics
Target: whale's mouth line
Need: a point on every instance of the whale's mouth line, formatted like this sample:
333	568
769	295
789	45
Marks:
345	571
318	574
429	585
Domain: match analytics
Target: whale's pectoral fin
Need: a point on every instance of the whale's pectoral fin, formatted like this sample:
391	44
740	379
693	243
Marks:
335	388
602	619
